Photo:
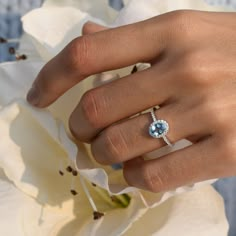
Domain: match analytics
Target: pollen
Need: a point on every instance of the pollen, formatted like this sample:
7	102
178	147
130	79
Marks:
3	40
69	169
12	50
73	192
97	215
74	173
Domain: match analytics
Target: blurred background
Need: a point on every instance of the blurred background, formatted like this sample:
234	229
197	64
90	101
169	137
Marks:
10	27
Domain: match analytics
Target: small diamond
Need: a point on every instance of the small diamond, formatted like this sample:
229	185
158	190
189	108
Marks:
158	129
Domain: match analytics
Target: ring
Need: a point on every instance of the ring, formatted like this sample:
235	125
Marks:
159	128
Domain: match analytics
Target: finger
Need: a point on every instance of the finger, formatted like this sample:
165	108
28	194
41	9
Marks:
120	99
129	139
187	166
91	54
91	27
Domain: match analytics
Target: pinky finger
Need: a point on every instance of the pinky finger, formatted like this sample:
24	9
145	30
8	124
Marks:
187	166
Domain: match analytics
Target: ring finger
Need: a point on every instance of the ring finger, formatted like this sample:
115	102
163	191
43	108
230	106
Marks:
129	139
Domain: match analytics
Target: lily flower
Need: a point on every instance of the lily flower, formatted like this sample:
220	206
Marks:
49	182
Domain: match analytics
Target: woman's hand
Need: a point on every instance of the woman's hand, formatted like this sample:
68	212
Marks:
192	79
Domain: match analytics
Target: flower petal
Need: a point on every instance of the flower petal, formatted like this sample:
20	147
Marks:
22	215
30	154
16	79
19	209
117	221
53	28
99	9
200	212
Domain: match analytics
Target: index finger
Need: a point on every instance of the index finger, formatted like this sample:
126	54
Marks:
95	53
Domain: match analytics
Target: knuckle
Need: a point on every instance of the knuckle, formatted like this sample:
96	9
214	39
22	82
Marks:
228	150
92	109
220	118
193	70
179	15
225	154
114	144
79	55
86	28
181	21
153	179
217	117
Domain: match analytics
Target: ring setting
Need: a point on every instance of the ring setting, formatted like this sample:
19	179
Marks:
159	129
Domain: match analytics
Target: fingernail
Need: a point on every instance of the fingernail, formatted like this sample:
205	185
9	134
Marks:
33	96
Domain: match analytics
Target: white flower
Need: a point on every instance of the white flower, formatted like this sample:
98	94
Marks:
22	215
35	149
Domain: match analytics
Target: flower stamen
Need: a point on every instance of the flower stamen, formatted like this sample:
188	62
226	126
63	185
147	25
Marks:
3	40
20	57
74	172
73	192
61	172
72	187
69	169
96	214
12	50
88	193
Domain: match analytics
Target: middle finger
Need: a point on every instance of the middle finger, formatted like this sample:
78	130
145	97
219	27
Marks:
115	101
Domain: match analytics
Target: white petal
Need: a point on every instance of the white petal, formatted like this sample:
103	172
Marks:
30	153
20	215
99	9
115	222
200	212
52	28
16	79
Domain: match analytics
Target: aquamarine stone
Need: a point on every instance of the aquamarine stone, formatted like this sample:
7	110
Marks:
158	129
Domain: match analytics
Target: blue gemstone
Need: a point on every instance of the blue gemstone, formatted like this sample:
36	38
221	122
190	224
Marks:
158	129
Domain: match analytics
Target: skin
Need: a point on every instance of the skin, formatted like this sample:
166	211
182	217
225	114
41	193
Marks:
192	79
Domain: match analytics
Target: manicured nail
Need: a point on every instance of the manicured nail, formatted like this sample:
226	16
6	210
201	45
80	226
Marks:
33	96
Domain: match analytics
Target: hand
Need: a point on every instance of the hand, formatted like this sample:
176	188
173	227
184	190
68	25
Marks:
192	79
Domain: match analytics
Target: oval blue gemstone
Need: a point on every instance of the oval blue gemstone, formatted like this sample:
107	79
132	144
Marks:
158	129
